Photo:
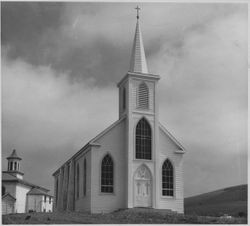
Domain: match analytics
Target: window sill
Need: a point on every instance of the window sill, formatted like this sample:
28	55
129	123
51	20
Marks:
145	160
106	193
167	197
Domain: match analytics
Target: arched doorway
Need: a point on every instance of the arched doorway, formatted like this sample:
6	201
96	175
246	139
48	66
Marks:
142	187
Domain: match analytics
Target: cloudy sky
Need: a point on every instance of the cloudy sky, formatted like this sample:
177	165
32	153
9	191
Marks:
61	63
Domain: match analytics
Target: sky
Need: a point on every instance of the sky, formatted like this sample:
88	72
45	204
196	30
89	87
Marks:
61	63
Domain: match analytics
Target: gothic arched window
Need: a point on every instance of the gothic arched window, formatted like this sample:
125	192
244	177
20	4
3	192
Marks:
143	96
77	180
143	140
167	179
84	176
107	174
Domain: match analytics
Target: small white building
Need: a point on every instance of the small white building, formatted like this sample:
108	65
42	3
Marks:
135	162
20	196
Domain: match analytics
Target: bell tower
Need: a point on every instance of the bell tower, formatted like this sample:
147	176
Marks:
138	104
14	165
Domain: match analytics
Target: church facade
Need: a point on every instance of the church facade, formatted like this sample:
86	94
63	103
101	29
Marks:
135	162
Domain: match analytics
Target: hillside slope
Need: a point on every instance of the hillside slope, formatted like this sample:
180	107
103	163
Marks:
231	201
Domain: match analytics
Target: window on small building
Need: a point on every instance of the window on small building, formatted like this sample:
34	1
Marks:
143	140
84	176
143	96
11	165
3	190
107	174
45	198
77	181
15	168
56	200
49	200
167	179
124	98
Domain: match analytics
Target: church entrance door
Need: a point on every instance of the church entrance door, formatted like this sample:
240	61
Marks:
142	187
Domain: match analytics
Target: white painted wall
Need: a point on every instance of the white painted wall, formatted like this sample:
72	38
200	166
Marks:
167	150
113	143
21	191
34	203
37	203
46	205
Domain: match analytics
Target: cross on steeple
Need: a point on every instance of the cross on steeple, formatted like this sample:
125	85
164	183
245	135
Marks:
137	9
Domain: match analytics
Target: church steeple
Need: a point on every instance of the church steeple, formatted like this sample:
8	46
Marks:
138	60
14	164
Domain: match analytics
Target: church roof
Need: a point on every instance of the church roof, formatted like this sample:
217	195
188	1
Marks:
7	177
182	149
138	60
92	142
14	155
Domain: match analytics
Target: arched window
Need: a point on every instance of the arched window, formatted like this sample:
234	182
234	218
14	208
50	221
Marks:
84	176
143	96
107	174
167	179
11	165
143	140
124	98
15	168
77	180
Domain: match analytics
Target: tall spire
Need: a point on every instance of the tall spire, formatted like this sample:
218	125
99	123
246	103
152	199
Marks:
138	60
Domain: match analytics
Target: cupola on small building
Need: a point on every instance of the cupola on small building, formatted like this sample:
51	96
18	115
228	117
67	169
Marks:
19	195
135	162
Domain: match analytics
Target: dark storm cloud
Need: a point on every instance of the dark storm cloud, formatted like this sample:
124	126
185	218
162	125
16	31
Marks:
24	25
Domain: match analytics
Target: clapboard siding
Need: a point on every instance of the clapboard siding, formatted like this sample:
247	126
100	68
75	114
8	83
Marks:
8	205
113	143
167	150
83	202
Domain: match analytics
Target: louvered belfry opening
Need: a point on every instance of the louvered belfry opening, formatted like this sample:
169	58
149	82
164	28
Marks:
143	96
107	175
143	140
167	179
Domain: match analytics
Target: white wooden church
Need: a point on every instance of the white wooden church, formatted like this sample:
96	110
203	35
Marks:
135	162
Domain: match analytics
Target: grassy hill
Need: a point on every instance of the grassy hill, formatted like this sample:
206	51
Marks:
231	201
125	216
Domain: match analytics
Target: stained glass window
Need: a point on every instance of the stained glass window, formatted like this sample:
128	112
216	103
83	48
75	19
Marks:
143	140
167	179
107	174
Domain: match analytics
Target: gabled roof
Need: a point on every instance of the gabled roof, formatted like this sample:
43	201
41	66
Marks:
37	191
138	60
106	130
7	177
8	195
92	142
182	149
